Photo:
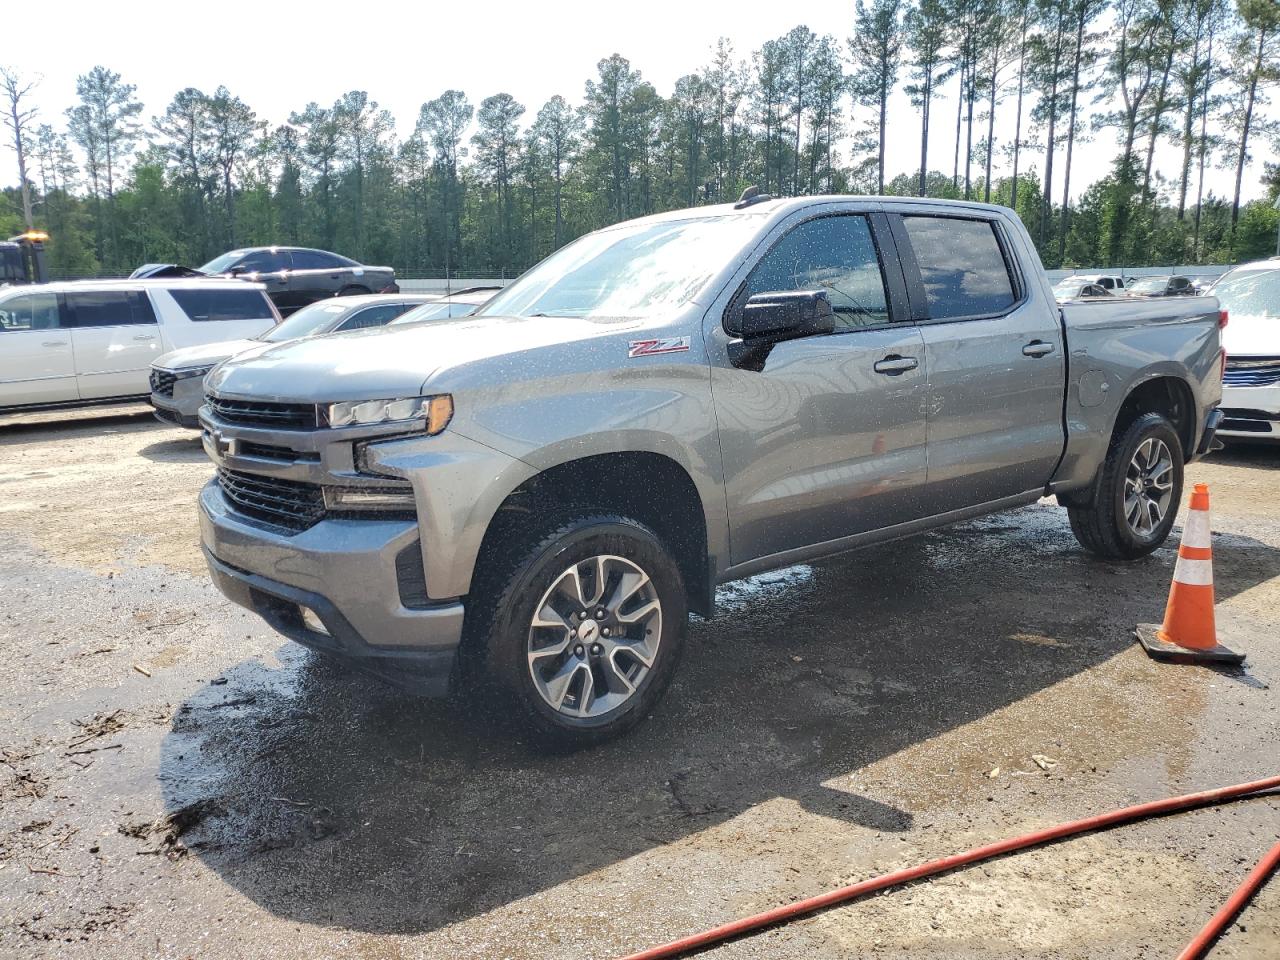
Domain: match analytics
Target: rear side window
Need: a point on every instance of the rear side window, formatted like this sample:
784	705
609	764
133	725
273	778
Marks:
961	265
315	260
215	304
34	311
109	308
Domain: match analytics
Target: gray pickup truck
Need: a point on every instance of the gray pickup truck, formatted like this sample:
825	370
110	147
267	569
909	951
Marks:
544	490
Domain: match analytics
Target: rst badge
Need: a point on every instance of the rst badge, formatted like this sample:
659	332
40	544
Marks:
649	348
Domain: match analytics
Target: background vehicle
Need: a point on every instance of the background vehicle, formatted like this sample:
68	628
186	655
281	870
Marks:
22	259
293	276
177	377
460	303
1161	287
1112	283
1073	289
1251	384
92	341
545	488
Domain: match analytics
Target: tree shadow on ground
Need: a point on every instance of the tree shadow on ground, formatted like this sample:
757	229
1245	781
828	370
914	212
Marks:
341	801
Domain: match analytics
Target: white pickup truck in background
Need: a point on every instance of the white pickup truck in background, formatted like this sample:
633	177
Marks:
91	342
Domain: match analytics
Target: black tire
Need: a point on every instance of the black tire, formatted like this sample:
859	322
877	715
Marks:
353	291
504	598
1100	523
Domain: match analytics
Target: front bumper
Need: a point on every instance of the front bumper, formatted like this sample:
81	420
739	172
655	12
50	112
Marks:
346	573
182	407
1251	413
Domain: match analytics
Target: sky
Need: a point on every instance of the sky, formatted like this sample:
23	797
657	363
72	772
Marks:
278	58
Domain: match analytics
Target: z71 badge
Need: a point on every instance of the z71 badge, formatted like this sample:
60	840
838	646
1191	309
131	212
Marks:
649	348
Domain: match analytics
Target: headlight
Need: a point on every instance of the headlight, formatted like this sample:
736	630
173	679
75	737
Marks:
433	412
368	498
190	372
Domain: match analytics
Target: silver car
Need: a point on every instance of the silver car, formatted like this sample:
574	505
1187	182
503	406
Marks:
177	377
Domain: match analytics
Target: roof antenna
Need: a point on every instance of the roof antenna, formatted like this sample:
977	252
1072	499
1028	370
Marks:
749	196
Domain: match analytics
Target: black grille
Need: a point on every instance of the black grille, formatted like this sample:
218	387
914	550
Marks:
1262	372
285	503
269	451
258	413
162	382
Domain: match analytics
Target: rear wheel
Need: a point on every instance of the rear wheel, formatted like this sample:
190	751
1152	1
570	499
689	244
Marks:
1135	502
355	290
584	627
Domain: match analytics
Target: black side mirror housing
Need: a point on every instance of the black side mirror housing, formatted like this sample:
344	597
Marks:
787	315
770	318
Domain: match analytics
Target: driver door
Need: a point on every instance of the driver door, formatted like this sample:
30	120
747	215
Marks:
826	438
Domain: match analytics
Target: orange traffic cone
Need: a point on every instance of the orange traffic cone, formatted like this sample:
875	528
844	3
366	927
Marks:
1188	632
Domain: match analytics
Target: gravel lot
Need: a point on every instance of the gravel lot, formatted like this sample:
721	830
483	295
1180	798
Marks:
178	781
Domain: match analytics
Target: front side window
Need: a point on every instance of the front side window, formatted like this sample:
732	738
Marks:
835	254
264	261
223	304
1107	282
962	267
109	308
32	311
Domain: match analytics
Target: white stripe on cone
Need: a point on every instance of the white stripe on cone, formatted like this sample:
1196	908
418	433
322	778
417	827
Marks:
1194	573
1196	532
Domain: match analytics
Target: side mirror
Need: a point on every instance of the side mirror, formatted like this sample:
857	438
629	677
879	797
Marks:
786	315
771	318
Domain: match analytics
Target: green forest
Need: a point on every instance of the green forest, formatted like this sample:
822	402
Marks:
487	187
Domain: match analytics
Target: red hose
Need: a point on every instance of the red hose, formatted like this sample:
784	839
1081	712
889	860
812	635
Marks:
800	908
1222	919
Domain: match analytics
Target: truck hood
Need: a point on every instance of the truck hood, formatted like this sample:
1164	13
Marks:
1252	335
400	361
204	354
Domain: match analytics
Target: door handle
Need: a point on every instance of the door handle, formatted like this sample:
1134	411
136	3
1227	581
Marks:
1037	348
144	336
54	343
895	364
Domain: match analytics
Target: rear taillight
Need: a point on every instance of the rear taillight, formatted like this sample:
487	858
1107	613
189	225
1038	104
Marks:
1222	319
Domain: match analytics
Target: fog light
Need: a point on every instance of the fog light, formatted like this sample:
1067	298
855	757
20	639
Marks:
312	621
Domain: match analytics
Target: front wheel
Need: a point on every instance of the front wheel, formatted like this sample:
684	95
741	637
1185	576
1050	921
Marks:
1132	509
586	627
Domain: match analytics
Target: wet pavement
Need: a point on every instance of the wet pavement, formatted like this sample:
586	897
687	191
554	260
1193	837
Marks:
176	780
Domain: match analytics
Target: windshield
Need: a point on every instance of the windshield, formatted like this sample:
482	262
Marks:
1250	293
307	322
1148	285
223	263
437	311
1067	288
628	271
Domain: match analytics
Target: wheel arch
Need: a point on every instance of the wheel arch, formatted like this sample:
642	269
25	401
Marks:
650	487
1168	394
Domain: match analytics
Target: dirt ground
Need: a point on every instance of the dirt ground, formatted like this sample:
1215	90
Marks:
178	781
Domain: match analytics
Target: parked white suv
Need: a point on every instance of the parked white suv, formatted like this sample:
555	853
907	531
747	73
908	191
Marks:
92	341
1251	384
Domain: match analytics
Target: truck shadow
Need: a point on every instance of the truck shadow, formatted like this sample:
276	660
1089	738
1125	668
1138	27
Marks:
336	800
